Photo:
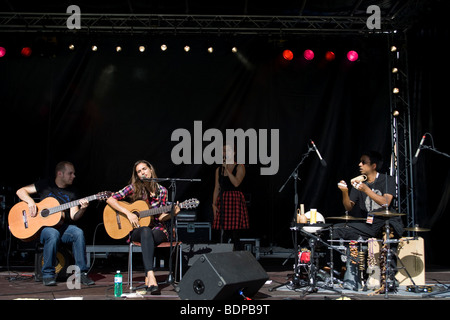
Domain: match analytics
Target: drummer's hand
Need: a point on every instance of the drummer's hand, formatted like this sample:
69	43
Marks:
361	187
342	185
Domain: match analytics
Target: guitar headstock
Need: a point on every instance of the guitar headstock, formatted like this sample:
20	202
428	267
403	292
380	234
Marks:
103	195
189	204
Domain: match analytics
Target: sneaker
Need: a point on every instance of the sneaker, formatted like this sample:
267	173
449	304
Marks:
49	281
86	280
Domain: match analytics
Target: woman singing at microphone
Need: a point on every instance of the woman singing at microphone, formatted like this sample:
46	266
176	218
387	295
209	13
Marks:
229	207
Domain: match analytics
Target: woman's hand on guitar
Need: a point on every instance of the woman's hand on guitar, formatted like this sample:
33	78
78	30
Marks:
133	220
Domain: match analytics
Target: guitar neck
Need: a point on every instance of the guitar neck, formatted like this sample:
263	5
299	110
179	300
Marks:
155	211
71	204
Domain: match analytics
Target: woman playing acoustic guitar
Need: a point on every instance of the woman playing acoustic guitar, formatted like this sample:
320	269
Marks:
155	195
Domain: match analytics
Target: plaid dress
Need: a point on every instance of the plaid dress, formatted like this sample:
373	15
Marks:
232	210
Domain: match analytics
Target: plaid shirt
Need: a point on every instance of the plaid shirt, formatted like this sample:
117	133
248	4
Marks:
153	202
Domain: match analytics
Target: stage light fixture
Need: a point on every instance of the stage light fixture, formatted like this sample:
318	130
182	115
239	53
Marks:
352	56
234	50
394	70
26	51
288	55
308	54
71	47
396	113
396	90
187	48
330	56
2	52
94	48
163	47
141	48
210	49
118	48
393	48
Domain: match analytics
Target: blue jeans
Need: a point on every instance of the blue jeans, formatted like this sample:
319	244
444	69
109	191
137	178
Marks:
51	238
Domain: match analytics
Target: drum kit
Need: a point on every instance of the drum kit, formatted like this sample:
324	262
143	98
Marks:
312	233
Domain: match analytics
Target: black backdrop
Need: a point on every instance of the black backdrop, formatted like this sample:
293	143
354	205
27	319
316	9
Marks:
104	110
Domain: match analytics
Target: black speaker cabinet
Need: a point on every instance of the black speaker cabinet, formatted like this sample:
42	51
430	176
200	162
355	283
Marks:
222	276
63	260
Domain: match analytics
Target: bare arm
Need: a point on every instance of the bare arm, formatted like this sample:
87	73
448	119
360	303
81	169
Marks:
382	200
348	204
239	177
118	207
77	212
24	194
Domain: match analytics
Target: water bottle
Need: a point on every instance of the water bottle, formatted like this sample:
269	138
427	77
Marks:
118	284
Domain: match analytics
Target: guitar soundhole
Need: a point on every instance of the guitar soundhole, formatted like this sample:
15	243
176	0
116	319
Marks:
45	213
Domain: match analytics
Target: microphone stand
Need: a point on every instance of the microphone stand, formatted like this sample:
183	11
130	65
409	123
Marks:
435	150
294	175
173	187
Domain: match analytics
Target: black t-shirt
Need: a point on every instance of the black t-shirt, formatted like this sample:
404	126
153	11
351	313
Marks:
48	188
380	187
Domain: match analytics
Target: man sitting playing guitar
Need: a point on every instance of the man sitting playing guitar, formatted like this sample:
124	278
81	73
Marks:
61	189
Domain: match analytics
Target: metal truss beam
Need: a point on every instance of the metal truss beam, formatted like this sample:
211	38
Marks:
194	24
401	128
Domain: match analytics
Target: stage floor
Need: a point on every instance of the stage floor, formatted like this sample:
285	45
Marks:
20	284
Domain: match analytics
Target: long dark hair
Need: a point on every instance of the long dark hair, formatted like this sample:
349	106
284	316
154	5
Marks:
142	189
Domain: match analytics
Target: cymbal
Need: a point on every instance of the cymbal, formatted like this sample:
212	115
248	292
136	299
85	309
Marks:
346	217
418	229
386	213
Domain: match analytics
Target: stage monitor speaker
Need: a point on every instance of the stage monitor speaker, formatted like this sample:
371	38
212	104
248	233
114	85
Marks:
63	260
222	276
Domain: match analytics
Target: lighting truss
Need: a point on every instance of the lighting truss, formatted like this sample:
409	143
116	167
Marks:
194	24
401	166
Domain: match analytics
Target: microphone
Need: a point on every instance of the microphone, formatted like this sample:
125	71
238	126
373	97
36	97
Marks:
224	164
416	156
322	161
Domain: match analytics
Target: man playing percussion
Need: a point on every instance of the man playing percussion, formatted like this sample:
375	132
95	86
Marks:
373	195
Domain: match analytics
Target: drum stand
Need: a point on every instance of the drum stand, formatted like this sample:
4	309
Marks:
312	274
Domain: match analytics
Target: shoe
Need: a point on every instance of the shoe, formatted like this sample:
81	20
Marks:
49	281
153	290
86	280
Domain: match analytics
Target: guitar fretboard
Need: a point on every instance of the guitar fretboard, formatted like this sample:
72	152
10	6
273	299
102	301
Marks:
155	211
70	204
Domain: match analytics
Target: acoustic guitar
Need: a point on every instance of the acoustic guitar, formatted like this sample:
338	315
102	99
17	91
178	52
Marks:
50	213
117	224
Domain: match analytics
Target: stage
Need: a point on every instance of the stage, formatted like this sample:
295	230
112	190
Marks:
19	284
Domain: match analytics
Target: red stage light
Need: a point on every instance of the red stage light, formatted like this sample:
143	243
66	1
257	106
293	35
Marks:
26	52
329	56
308	54
2	52
288	55
352	55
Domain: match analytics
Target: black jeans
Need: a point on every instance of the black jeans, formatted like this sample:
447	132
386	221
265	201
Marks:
149	240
